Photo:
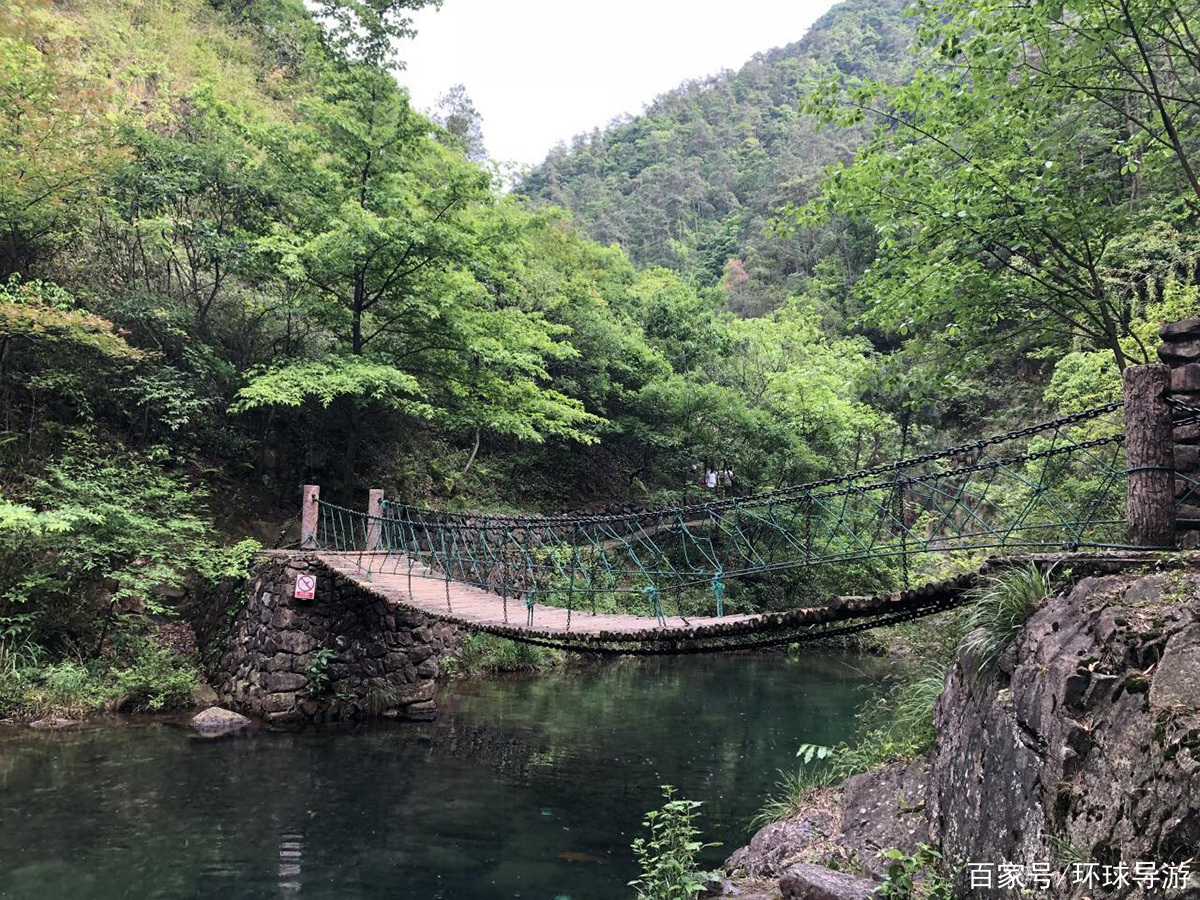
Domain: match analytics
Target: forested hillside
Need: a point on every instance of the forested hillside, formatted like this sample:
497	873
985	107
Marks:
234	259
1000	200
696	182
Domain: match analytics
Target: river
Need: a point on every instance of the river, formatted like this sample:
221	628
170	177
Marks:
523	788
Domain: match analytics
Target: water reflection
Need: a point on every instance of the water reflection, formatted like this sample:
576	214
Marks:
521	789
291	851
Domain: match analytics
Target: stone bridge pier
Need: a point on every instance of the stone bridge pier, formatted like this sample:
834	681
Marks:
343	653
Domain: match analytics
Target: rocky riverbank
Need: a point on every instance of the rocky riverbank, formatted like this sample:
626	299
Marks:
1079	755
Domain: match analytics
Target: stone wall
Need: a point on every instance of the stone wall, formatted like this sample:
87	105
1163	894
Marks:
344	654
1180	349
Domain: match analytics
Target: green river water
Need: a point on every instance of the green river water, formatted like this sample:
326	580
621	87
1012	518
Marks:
523	788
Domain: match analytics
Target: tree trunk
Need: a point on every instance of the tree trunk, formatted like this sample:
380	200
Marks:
474	453
350	456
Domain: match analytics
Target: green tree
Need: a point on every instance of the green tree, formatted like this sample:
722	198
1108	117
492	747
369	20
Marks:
54	140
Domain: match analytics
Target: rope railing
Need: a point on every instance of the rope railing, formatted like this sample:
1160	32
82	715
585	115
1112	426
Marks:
1057	485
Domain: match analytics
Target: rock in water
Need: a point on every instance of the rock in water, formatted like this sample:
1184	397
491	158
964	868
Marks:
819	883
52	723
216	721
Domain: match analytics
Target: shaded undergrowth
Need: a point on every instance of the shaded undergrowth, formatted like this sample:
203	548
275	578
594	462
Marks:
899	725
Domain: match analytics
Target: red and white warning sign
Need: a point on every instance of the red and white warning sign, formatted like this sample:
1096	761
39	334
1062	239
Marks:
306	587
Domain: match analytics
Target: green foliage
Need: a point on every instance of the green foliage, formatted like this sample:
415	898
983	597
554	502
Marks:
139	675
17	648
108	530
152	678
486	653
917	876
806	753
998	610
316	675
667	856
66	688
325	381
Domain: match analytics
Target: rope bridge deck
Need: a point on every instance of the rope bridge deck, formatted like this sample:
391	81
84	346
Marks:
480	610
584	631
674	579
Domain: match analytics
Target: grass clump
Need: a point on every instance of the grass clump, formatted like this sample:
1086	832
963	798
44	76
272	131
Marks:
793	790
136	675
999	608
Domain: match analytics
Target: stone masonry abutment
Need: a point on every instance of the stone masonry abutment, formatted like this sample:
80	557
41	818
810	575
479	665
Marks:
345	653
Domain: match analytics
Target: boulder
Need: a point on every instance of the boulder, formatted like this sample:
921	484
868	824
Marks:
204	696
425	711
777	845
805	882
1177	680
763	889
216	721
882	809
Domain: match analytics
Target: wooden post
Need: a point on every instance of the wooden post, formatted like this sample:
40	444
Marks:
1149	456
308	516
374	514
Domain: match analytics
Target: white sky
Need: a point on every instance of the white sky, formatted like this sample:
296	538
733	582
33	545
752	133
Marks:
540	71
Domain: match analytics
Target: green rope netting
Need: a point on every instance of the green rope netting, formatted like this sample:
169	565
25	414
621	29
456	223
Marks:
1058	485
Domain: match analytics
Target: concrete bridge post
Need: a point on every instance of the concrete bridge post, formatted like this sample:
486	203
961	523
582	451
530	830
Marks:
309	496
374	514
1150	484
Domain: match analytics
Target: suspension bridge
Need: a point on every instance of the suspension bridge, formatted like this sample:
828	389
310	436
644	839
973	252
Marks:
698	577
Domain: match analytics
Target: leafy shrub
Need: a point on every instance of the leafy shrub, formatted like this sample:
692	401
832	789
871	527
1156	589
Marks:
317	673
154	679
919	876
667	858
110	531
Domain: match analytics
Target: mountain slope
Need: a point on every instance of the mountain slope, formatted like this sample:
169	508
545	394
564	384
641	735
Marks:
692	184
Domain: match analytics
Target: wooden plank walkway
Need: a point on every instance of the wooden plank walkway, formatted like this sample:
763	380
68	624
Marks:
474	606
482	610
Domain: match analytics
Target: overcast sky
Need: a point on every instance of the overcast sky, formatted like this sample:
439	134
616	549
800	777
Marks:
541	71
